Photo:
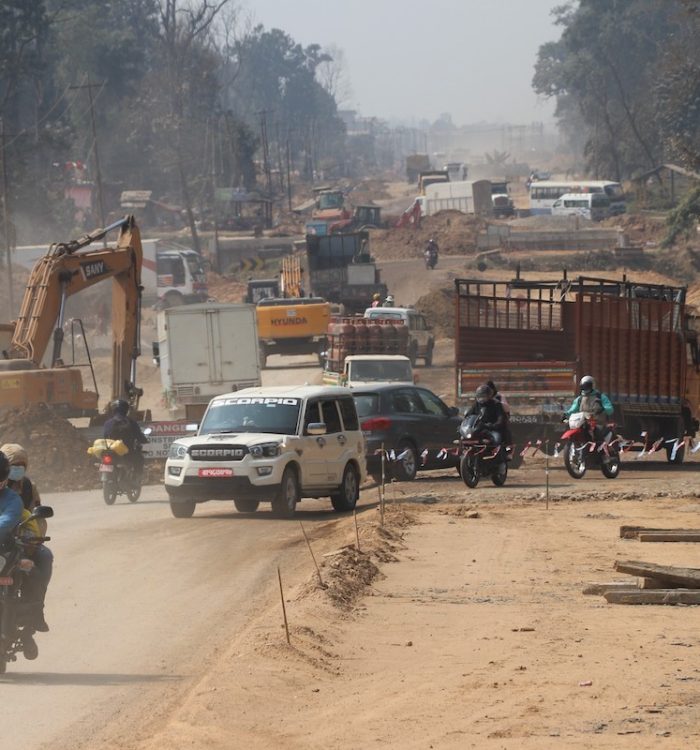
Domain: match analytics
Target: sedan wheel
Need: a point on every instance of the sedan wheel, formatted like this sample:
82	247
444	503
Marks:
407	466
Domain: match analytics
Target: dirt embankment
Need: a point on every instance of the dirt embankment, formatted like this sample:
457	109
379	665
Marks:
455	233
58	459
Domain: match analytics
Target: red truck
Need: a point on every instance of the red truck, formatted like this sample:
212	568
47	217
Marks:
536	339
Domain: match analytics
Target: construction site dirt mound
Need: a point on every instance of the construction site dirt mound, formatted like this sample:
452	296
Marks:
456	234
225	288
58	459
439	308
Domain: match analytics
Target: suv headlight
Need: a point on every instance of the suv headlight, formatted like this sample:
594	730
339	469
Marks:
265	450
177	450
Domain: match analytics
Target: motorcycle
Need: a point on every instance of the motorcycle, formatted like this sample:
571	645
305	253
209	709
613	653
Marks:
118	476
481	457
584	448
16	615
431	259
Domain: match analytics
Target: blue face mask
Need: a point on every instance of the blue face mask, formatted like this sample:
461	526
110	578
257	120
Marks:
17	473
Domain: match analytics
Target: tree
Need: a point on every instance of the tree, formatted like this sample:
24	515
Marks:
602	71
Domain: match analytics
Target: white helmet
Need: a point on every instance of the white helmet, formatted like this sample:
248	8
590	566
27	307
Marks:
390	299
587	383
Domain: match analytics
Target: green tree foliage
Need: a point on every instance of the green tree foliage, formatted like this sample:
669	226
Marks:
178	91
617	80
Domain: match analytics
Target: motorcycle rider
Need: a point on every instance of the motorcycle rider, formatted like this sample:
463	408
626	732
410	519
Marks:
389	301
38	582
376	300
594	402
431	252
507	435
121	427
492	412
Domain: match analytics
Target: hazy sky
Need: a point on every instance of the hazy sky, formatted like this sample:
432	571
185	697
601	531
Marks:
413	60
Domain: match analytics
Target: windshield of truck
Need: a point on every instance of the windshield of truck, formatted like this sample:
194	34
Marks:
330	200
275	415
381	371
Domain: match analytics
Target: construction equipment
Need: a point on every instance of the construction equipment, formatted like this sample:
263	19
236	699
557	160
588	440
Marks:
65	270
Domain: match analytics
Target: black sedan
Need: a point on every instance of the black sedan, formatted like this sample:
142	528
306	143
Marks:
415	427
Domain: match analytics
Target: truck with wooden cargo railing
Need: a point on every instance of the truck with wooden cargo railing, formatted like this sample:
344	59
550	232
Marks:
378	349
536	339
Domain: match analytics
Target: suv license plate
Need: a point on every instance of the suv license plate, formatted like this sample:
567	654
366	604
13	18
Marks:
6	580
217	473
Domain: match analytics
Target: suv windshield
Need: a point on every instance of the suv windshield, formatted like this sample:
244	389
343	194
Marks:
377	371
252	414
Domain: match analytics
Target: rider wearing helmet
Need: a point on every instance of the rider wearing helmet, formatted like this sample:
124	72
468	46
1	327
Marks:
591	401
493	414
120	426
389	301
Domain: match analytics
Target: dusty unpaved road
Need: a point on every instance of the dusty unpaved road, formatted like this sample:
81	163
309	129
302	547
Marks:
139	607
146	610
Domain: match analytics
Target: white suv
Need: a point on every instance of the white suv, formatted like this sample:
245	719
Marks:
270	444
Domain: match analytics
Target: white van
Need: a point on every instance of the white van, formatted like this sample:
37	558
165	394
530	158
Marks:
591	206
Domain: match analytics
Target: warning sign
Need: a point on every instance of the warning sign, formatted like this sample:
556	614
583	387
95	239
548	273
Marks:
162	436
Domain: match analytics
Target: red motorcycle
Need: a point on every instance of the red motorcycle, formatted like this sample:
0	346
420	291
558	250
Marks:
585	447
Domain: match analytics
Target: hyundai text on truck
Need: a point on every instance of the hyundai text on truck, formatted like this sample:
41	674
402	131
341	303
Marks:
536	339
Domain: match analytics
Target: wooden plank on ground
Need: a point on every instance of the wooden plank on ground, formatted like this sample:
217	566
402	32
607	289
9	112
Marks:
669	536
654	596
597	589
633	532
669	575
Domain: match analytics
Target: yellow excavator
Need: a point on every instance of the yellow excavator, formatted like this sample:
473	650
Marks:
26	376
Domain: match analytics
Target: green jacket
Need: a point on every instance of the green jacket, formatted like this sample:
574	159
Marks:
606	403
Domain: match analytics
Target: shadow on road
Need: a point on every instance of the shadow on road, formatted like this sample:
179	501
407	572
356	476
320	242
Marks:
87	679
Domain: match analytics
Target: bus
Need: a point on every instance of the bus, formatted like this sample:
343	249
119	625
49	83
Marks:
543	194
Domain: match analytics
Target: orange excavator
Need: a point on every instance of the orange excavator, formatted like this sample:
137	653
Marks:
27	375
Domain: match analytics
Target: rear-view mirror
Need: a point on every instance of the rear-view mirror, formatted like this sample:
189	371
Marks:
316	428
42	511
453	411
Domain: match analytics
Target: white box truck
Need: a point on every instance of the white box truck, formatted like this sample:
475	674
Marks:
203	351
467	196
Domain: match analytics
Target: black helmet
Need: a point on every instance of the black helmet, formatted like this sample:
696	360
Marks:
120	407
4	467
483	393
492	386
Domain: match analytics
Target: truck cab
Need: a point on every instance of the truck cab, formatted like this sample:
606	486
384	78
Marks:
173	273
500	197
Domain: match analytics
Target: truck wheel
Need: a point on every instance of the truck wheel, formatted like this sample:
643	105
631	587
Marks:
182	508
246	505
678	459
173	299
285	501
346	499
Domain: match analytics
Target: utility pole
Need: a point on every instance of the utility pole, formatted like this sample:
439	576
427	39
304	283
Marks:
289	176
6	223
213	190
98	174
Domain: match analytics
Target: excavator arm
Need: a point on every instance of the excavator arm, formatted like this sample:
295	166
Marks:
68	269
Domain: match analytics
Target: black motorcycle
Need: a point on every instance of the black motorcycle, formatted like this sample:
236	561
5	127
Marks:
16	614
480	456
431	259
118	477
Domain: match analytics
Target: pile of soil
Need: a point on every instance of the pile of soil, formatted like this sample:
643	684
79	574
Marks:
438	307
225	288
456	234
640	229
58	459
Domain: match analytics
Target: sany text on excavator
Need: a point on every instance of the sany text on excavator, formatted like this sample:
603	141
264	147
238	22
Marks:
67	269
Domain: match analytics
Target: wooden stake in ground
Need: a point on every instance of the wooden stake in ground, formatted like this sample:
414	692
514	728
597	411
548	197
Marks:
546	473
381	493
357	531
311	552
284	609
